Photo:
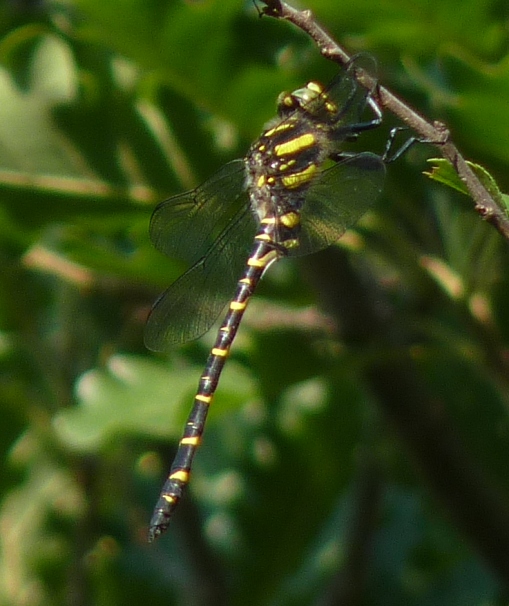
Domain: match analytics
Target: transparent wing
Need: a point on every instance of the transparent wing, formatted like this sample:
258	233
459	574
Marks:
185	226
347	96
350	112
189	307
338	198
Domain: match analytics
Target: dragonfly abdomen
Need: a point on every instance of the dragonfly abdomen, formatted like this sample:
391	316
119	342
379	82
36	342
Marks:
263	253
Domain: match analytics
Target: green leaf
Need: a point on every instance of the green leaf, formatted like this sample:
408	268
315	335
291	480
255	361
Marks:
28	139
443	172
136	395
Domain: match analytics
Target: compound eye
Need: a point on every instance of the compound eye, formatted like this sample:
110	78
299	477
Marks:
315	88
303	96
286	103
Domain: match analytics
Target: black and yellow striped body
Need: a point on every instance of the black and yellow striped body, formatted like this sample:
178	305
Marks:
263	253
282	160
280	196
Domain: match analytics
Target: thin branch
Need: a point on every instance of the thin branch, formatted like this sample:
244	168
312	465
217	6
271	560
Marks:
436	132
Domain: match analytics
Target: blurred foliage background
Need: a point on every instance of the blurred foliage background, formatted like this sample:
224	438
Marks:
357	450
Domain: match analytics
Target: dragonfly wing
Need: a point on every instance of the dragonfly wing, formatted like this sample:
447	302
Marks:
185	226
338	198
189	307
351	97
344	100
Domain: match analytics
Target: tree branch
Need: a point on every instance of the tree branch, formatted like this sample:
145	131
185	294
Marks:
436	133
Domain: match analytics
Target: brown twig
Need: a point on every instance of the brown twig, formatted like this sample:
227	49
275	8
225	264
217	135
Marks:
435	133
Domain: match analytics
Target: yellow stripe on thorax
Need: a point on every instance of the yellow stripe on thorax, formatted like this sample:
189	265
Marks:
279	128
295	145
298	179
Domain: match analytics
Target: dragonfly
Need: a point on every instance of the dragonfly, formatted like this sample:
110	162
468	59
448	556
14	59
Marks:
294	193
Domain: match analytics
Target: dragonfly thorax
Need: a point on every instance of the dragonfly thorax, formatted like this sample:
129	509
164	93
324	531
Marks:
281	165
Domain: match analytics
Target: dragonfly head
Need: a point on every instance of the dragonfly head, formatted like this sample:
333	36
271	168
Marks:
311	98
